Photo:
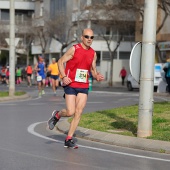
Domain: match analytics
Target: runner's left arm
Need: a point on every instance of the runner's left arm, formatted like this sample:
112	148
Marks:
95	74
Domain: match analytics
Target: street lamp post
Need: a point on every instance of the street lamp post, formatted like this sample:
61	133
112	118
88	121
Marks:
12	49
147	69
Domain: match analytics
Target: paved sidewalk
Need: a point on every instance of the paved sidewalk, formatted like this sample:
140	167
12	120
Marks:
114	139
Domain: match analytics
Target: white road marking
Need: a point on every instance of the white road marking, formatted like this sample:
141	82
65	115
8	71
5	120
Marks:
95	102
117	93
36	104
31	128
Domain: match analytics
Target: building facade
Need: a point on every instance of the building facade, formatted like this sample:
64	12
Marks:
24	11
79	19
163	31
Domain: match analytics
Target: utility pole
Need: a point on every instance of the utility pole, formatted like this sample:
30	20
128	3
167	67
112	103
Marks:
147	69
12	50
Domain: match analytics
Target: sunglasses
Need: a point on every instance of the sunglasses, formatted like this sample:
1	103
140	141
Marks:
88	37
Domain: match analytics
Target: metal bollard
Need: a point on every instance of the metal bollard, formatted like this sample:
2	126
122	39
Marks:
90	84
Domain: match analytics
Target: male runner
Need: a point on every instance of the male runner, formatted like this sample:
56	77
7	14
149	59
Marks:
80	60
40	68
53	68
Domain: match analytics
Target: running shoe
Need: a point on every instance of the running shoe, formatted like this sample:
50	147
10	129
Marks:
53	120
43	92
70	144
39	94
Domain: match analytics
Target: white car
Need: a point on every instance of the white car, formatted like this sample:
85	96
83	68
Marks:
133	84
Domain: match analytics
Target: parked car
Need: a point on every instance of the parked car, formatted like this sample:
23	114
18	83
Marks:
133	84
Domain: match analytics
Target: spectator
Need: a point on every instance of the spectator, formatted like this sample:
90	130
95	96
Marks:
167	67
123	75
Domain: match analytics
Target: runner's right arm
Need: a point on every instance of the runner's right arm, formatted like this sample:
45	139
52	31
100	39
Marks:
66	57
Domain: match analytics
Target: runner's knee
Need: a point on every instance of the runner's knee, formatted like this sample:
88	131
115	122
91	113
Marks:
70	113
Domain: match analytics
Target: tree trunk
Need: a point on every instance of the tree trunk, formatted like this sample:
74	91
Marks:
112	54
27	58
111	69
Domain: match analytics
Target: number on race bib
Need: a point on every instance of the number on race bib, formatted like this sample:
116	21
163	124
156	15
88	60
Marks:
81	75
39	78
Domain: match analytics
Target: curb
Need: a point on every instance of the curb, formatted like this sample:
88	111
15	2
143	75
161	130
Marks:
115	139
14	98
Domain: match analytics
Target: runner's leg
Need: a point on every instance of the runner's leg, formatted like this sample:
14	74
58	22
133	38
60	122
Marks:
81	100
53	85
56	84
39	86
70	106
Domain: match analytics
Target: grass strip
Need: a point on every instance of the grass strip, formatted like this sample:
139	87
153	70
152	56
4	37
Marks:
124	121
6	93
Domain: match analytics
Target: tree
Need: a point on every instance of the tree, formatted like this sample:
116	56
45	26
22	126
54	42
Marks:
121	17
41	37
163	13
3	34
62	30
112	21
26	35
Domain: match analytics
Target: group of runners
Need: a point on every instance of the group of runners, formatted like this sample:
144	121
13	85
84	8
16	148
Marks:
41	72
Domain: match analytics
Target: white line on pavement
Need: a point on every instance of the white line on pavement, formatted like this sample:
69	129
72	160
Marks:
32	127
118	93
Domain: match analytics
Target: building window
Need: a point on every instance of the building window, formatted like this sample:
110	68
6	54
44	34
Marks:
124	55
107	30
98	58
57	7
5	14
94	2
106	56
41	9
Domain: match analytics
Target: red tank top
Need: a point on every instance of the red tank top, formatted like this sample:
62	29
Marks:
29	70
78	68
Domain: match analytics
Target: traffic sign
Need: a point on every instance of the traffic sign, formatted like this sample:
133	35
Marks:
16	41
135	61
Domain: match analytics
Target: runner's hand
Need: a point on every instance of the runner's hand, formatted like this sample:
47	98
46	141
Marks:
66	81
99	77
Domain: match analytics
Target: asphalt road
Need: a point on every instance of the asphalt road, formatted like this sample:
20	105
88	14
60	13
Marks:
26	144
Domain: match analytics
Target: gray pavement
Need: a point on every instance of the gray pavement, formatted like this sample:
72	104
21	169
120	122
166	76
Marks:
109	138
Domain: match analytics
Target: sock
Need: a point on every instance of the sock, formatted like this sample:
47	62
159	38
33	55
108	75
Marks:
57	116
68	138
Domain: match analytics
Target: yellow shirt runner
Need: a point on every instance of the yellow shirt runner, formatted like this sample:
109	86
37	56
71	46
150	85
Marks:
54	69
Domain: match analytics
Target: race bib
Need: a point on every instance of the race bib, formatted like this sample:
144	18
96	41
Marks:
81	75
39	78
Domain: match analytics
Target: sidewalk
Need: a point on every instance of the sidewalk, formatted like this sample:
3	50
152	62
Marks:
118	140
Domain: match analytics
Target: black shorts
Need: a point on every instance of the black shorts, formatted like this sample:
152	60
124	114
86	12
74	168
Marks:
29	75
75	91
55	77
